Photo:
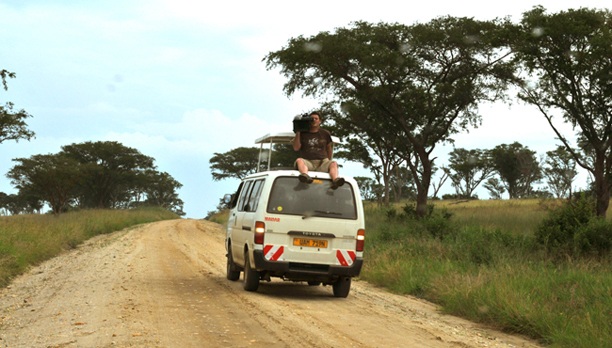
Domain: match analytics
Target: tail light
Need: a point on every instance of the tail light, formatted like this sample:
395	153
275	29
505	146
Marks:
360	239
260	229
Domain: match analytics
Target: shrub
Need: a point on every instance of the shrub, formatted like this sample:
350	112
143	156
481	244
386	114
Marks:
594	237
439	225
410	210
574	228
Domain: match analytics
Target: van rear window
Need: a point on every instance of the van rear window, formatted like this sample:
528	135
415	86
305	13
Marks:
290	196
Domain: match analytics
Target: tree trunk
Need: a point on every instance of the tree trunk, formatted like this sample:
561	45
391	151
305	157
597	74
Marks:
602	186
423	187
386	193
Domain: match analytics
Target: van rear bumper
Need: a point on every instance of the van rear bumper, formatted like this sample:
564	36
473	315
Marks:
296	269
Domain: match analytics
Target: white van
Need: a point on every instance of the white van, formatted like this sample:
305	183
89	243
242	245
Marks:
281	227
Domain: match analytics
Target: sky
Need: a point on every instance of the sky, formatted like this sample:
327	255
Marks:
180	80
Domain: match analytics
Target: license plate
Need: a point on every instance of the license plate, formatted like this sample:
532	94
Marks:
316	243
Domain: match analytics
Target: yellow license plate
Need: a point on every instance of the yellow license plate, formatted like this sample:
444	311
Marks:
316	243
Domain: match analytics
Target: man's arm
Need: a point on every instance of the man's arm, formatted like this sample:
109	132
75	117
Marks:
297	145
330	151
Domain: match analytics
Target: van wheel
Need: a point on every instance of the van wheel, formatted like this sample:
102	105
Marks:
232	274
251	276
342	287
314	283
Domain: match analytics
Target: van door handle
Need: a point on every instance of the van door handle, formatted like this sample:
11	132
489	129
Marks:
248	228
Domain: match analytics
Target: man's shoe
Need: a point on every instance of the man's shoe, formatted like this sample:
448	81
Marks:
337	183
305	178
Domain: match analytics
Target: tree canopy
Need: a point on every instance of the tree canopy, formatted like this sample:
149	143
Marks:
560	170
568	60
419	83
94	175
108	169
12	122
242	161
53	178
467	169
517	167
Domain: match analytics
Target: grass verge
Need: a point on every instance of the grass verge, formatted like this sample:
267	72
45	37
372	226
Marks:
27	240
484	264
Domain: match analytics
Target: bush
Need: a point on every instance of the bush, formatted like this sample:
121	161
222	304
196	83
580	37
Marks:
436	223
594	237
410	210
559	228
439	225
575	228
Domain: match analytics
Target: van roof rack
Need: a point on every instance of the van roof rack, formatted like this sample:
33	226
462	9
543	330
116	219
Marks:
278	138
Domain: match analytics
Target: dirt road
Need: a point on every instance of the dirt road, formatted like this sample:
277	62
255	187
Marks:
164	285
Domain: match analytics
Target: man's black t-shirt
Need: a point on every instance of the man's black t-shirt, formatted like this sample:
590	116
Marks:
314	145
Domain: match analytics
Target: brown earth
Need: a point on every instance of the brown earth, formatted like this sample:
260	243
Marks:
163	285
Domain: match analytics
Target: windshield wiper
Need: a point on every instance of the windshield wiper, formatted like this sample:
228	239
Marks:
327	212
321	213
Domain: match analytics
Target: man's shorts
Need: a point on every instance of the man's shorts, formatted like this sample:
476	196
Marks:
316	165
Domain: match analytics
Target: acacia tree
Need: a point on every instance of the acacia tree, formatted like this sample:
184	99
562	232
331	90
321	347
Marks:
421	82
495	187
517	167
53	178
467	169
437	186
560	171
12	122
109	169
568	58
161	191
402	184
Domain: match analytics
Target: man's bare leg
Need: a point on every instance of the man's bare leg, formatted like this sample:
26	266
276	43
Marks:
302	166
333	170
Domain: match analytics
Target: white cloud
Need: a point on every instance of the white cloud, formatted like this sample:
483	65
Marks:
208	131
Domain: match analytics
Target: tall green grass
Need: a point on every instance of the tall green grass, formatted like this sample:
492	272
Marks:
27	240
485	264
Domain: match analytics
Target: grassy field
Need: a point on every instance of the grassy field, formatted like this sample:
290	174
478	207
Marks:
27	240
485	265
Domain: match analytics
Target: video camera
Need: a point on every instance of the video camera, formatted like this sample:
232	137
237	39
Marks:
302	123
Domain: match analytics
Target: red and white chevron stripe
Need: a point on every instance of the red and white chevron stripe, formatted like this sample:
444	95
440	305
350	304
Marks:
345	257
274	252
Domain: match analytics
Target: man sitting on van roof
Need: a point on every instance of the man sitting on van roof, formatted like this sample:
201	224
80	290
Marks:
315	148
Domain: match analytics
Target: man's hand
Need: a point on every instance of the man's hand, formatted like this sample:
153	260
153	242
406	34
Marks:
297	145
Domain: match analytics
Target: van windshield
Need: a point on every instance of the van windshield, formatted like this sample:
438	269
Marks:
290	196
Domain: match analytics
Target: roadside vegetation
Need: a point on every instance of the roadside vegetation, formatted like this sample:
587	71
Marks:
536	267
29	239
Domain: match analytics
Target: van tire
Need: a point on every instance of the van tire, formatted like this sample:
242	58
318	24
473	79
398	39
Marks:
232	274
251	276
342	287
311	283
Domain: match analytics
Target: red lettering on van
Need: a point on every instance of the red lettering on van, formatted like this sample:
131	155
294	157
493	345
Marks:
272	219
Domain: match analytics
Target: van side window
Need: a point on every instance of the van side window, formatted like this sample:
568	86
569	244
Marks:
235	196
254	198
243	196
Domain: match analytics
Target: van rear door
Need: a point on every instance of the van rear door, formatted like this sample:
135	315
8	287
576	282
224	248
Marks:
313	222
